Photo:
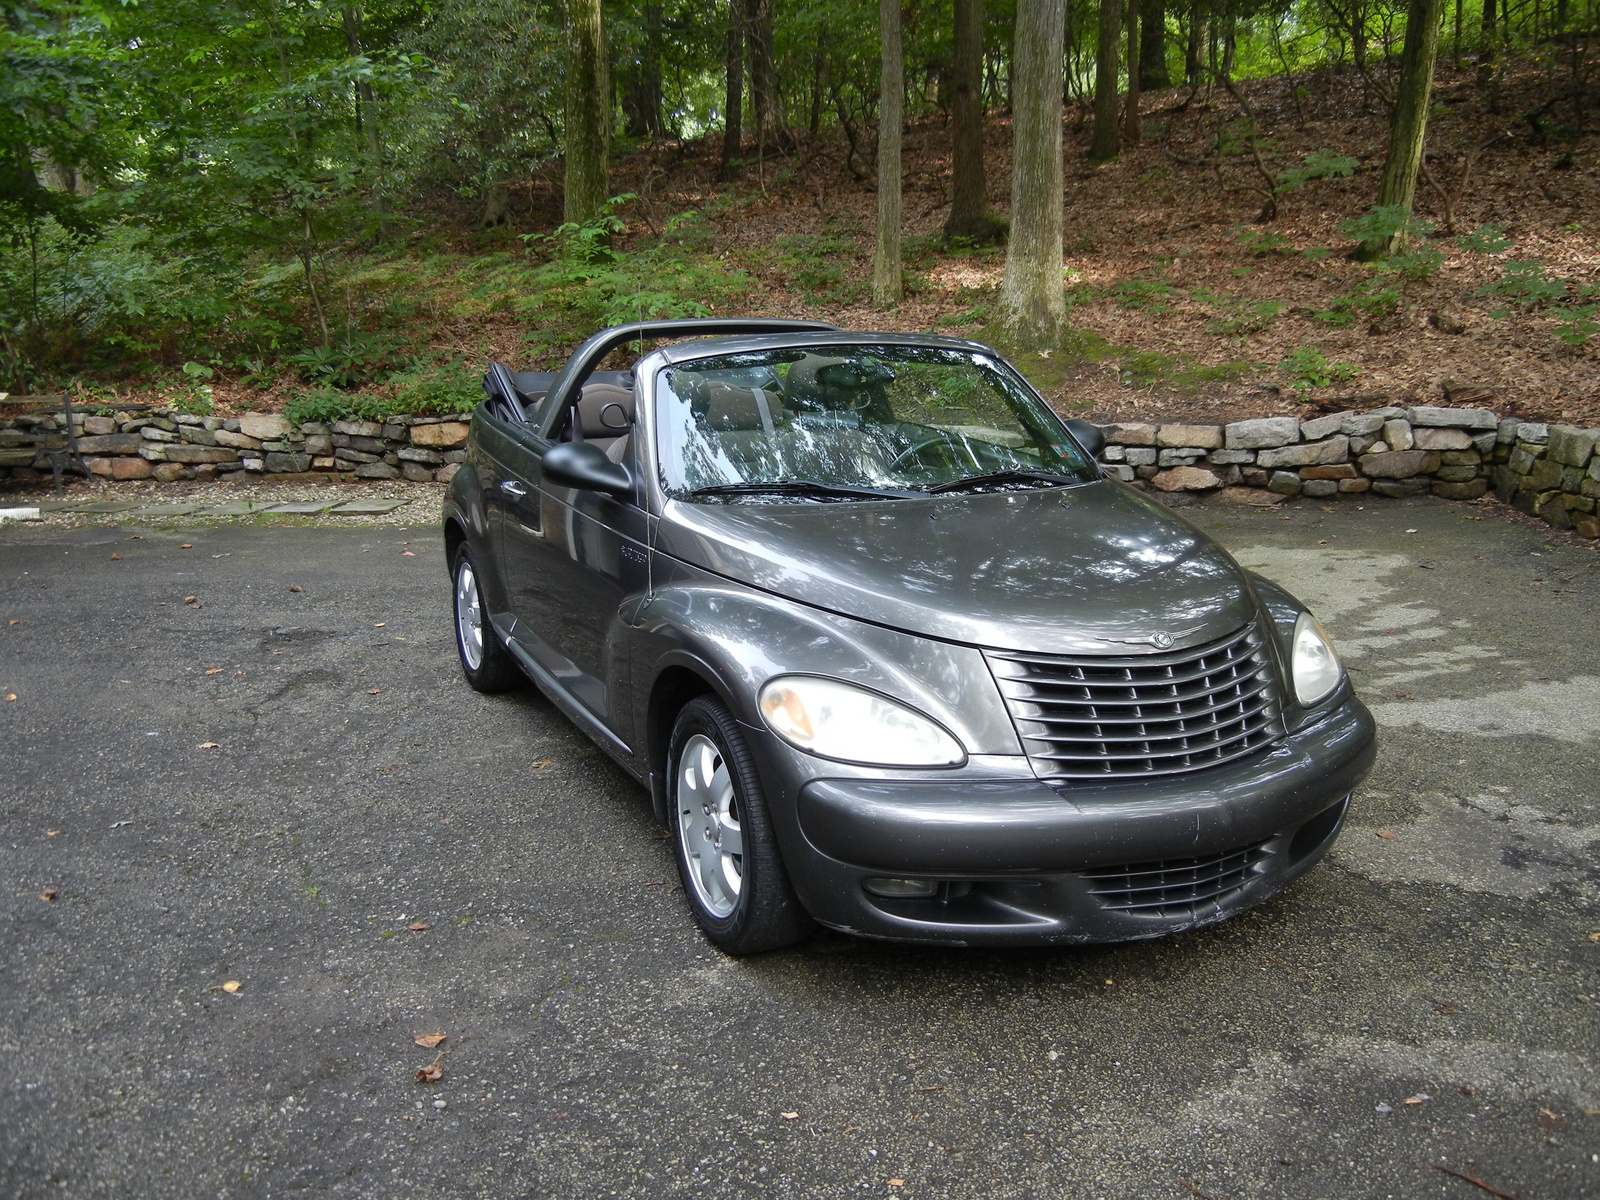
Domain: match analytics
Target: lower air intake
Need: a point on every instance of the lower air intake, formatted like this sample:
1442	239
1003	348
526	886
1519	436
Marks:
1175	886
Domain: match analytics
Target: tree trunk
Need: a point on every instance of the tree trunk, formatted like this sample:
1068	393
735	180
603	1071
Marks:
1132	131
772	127
733	99
588	149
1191	48
1409	126
891	109
1032	299
366	118
1153	74
969	193
641	98
1486	45
1103	143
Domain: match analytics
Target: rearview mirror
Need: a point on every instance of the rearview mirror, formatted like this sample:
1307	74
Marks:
584	465
1089	436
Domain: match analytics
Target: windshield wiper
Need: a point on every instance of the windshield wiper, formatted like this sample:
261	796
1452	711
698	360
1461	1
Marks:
1007	476
804	487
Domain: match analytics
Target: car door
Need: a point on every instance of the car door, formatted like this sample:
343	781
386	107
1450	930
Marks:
576	566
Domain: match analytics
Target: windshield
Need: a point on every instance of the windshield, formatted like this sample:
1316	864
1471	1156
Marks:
857	421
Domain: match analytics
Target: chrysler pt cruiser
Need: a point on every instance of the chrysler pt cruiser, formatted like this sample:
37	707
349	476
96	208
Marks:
887	649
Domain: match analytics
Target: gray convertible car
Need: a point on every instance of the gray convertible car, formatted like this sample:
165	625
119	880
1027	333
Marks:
887	649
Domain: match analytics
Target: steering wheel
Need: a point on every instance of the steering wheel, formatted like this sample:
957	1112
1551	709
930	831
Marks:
956	450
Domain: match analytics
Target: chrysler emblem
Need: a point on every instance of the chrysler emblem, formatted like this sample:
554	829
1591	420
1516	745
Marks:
1161	641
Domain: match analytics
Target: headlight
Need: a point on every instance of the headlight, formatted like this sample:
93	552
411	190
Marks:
838	720
1316	667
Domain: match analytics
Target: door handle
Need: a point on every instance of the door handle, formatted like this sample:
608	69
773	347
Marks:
513	489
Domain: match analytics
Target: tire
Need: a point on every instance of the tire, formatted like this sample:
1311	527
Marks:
741	898
487	665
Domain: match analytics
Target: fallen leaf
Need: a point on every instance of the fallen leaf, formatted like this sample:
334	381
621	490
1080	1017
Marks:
297	588
1411	531
542	764
373	691
794	1116
1419	1098
137	537
431	1073
186	546
209	746
213	670
1446	1009
48	894
16	621
1466	1091
380	624
10	696
1593	937
897	1183
409	553
190	599
116	558
429	1041
1385	834
417	926
52	832
232	986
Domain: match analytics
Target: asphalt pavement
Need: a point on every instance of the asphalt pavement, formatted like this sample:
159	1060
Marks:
281	838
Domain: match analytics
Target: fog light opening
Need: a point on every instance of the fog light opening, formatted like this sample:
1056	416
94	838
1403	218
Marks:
879	885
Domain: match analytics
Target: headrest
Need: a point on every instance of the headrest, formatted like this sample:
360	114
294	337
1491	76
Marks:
605	410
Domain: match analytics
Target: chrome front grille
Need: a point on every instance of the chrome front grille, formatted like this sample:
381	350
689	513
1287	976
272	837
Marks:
1134	716
1177	885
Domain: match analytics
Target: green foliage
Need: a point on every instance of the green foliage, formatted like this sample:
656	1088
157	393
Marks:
1485	239
817	265
1241	318
1384	223
1262	242
1319	164
357	359
1527	284
1576	326
442	389
1308	369
1142	294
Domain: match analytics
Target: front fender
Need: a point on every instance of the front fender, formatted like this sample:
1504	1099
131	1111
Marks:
741	637
466	515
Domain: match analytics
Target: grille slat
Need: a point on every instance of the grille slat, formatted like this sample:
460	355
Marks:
1175	886
1128	716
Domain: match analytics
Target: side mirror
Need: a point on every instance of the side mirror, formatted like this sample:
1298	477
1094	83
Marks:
1088	436
584	465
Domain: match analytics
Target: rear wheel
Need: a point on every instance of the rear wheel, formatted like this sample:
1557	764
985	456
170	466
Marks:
487	664
732	873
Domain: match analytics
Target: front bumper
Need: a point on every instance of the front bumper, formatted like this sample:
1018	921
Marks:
1018	861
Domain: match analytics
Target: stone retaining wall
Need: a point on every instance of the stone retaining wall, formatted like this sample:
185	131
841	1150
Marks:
1550	471
169	446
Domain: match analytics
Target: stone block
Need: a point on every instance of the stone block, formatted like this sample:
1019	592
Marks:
1307	454
152	434
1362	443
130	468
143	423
1521	460
392	459
1137	456
460	456
278	447
1318	428
239	441
99	426
376	470
1111	454
264	427
288	464
189	419
198	435
394	431
1506	431
1507	483
1571	445
254	464
449	434
1546	475
1485	443
1207	437
314	429
1254	476
1333	471
1398	434
447	472
111	443
201	454
1535	433
368	445
169	472
1186	479
1460	458
1126	434
1594	468
318	443
1263	433
1429	437
369	429
1284	483
1175	457
1146	472
1552	506
1354	487
1397	489
153	451
1319	487
1232	458
1456	474
1120	471
417	473
421	454
1586	526
1399	464
324	462
1361	425
357	457
1453	418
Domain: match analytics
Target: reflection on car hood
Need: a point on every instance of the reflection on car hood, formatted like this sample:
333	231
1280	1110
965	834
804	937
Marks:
1060	570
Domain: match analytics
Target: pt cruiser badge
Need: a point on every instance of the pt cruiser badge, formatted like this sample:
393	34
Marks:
868	622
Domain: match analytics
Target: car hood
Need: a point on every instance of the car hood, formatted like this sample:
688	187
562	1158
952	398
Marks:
1093	569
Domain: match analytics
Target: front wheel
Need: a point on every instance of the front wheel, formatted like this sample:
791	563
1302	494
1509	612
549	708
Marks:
727	855
487	664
